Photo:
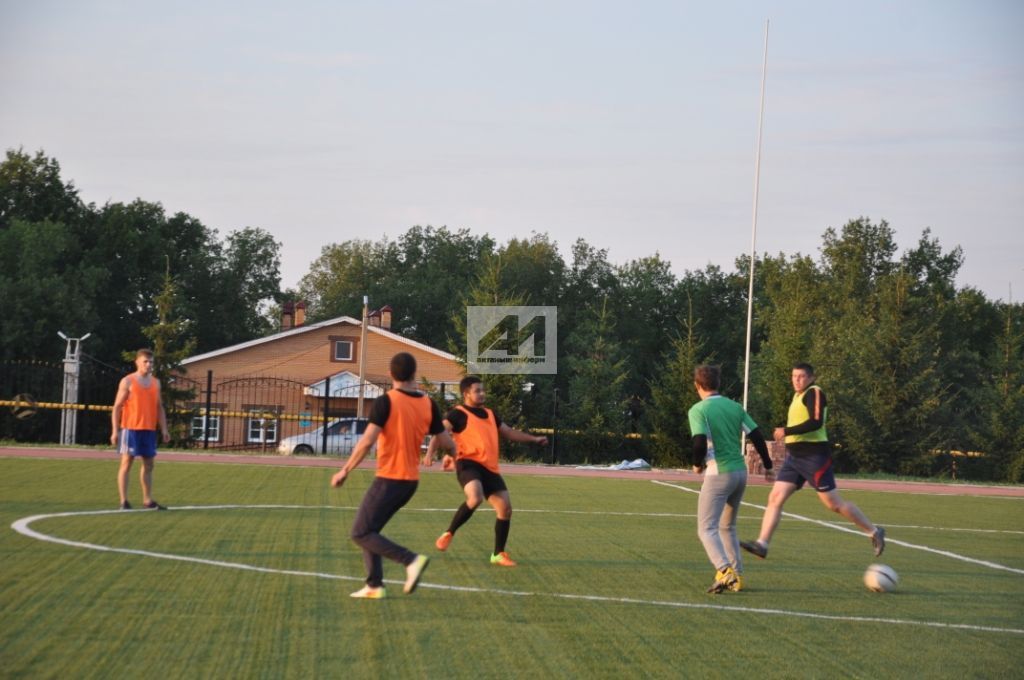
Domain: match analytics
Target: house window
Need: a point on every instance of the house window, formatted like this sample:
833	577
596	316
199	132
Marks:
199	424
343	350
261	427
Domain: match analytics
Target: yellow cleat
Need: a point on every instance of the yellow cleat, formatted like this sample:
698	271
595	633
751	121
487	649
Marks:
370	593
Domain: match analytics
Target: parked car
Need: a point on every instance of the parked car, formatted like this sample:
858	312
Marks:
342	435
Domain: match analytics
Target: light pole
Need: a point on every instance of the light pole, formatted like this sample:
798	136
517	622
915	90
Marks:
72	365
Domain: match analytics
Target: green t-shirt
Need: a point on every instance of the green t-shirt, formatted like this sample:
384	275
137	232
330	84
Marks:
721	420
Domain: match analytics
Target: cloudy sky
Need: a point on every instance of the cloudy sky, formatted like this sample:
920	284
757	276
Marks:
630	124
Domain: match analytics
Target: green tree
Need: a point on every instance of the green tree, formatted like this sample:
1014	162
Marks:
31	189
597	402
46	286
504	391
672	395
172	343
999	431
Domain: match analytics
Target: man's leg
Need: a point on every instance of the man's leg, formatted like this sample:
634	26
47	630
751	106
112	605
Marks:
474	491
834	502
781	491
122	477
146	478
382	500
502	505
727	524
713	493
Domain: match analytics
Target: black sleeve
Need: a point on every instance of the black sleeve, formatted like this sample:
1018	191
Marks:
457	418
757	439
497	420
700	450
381	410
436	424
813	423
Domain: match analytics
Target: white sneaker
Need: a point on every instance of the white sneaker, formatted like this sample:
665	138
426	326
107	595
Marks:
370	593
413	572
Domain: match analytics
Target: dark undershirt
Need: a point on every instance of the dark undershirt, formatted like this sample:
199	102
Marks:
458	417
381	411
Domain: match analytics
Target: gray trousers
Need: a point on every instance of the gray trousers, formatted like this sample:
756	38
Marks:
717	509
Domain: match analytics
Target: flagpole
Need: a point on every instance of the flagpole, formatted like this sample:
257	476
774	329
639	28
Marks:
753	229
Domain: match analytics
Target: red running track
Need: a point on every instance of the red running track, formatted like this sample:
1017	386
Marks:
668	475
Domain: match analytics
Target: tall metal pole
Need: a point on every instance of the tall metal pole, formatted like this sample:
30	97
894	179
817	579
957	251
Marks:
362	355
753	229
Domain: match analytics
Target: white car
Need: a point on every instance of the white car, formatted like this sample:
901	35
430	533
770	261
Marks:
342	435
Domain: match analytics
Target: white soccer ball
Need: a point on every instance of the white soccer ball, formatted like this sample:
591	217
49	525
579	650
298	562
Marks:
881	578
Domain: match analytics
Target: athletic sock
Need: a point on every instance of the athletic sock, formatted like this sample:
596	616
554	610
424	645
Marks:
462	516
501	529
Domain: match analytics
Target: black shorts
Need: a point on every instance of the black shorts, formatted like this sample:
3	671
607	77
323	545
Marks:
815	468
470	470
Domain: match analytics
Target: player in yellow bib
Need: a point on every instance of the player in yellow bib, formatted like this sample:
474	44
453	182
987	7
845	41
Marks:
808	459
475	429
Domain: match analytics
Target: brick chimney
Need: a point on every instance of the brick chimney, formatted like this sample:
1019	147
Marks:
287	316
373	318
300	313
385	317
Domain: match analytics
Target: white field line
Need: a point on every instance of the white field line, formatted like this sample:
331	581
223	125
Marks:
858	532
22	526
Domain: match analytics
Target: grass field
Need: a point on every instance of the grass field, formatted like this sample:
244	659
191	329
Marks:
610	583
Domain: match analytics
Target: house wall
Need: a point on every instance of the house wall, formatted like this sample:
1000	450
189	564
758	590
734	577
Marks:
299	360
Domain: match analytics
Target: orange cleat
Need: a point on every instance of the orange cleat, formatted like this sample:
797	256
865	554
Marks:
502	560
444	541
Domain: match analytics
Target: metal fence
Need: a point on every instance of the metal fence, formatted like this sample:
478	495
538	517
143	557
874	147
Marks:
237	413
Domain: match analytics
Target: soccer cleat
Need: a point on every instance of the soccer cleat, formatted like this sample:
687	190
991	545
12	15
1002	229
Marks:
755	548
724	580
413	571
444	541
370	593
502	560
737	585
878	540
153	505
125	505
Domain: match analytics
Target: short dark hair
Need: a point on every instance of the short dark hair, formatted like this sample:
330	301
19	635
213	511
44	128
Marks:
144	352
466	383
805	367
403	367
708	377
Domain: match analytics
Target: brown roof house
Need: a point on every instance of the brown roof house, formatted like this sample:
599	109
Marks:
292	390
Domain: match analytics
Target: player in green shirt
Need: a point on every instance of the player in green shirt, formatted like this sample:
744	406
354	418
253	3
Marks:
717	424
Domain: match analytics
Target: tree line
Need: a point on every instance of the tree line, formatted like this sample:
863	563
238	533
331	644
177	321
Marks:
922	375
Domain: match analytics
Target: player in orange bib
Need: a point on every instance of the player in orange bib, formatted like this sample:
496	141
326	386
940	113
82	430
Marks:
399	420
475	429
138	410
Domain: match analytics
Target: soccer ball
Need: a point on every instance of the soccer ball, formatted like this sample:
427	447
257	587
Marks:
881	578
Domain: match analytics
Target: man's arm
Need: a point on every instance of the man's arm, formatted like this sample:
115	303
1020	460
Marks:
757	439
440	440
814	400
115	417
363	447
514	435
700	452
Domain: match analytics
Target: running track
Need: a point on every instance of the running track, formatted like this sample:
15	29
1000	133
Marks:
333	463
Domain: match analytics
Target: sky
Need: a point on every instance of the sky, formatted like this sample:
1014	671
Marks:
632	125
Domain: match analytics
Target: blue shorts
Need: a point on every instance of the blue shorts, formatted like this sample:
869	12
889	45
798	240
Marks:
137	443
815	468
